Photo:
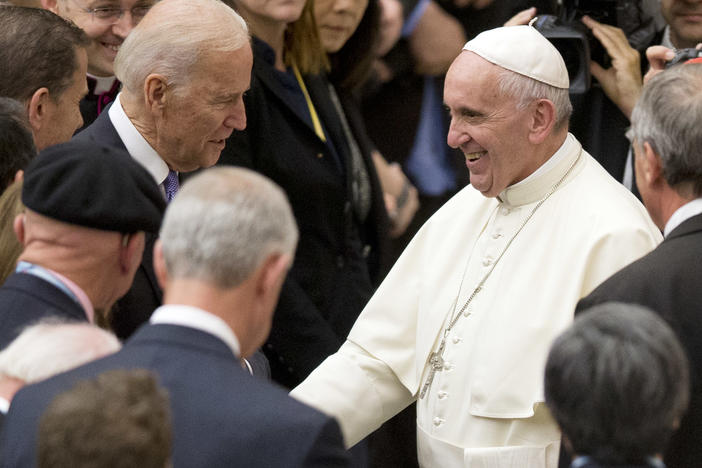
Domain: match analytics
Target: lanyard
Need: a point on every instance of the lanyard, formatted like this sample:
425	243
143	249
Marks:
313	113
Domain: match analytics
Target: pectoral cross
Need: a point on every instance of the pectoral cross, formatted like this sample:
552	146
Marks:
436	363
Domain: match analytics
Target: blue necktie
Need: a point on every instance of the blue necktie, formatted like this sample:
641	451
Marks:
171	185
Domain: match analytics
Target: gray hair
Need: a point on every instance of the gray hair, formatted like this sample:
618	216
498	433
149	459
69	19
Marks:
525	90
52	346
174	37
617	383
668	116
223	223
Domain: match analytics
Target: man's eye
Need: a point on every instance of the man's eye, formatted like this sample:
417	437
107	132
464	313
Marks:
104	13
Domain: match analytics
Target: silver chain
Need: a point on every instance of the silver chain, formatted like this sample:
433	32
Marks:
437	355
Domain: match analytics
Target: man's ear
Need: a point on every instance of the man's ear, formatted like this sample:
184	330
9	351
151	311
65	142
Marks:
160	265
155	93
273	272
652	166
18	226
543	119
131	251
38	109
51	5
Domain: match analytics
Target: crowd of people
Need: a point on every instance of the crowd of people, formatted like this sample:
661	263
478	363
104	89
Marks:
362	279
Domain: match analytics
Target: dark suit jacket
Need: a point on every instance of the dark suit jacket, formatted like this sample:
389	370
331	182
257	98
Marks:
25	298
222	416
337	262
145	295
667	281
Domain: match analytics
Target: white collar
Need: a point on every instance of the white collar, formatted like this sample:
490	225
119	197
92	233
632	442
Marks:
136	144
4	405
545	167
199	319
682	214
103	83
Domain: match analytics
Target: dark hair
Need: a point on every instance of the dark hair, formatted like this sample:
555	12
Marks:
302	43
351	65
617	383
16	141
37	49
119	419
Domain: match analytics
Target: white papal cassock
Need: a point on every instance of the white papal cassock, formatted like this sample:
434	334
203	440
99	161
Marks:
485	407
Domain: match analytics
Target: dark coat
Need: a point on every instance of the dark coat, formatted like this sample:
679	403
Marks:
337	262
25	298
667	281
221	415
145	295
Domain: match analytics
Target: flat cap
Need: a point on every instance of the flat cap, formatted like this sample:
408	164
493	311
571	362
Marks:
523	50
94	186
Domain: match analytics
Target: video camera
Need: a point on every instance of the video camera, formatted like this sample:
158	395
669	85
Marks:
575	41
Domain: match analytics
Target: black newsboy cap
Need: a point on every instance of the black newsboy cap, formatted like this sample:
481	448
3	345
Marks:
95	186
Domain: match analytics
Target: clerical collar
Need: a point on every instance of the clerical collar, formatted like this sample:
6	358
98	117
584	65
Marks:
682	214
103	84
136	144
199	319
538	183
4	405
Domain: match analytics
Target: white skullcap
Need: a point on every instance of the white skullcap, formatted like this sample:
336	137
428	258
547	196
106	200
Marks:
524	50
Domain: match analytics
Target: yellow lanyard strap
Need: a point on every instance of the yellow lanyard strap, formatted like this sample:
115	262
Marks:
313	113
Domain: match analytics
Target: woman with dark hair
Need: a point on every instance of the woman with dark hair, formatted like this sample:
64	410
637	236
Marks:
296	136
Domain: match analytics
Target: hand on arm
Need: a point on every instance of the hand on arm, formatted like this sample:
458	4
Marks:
621	82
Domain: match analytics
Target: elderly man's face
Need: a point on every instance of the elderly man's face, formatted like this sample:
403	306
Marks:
486	125
101	21
200	116
685	20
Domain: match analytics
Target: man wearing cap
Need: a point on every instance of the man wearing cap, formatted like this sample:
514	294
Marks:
181	99
81	245
463	322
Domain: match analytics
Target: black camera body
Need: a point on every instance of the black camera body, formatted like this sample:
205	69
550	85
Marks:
683	55
576	43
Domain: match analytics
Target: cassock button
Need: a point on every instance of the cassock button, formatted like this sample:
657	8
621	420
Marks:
496	235
504	210
438	421
442	394
447	366
456	340
320	155
487	261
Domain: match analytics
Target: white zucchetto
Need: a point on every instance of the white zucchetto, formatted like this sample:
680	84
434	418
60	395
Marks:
524	50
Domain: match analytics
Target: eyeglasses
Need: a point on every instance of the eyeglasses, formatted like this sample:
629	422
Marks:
113	14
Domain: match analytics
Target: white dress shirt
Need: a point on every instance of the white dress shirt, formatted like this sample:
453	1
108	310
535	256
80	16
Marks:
682	214
136	144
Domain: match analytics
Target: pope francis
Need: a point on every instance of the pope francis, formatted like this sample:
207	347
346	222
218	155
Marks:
463	322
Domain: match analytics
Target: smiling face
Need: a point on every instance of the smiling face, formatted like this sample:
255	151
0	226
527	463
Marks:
685	20
337	20
106	37
487	126
200	116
